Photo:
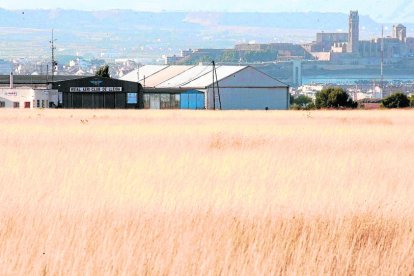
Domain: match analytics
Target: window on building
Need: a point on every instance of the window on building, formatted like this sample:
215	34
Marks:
26	104
43	103
16	105
165	101
146	101
2	104
175	101
155	101
132	98
38	103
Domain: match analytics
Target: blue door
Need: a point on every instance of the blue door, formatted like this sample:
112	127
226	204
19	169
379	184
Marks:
192	99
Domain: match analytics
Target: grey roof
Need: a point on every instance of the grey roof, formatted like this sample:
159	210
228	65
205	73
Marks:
196	77
33	80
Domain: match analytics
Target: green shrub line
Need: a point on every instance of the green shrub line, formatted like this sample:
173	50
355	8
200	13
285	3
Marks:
338	98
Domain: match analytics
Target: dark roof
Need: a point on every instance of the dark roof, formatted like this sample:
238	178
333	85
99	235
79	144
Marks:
87	78
38	79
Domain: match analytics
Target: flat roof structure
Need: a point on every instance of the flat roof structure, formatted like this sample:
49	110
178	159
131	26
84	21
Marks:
27	80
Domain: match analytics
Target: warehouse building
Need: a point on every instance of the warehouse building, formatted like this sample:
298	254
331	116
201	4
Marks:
100	93
26	91
208	87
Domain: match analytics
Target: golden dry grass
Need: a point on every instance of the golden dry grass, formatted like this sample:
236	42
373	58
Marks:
206	193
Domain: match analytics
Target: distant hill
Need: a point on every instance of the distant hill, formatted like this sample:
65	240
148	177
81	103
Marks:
116	19
131	33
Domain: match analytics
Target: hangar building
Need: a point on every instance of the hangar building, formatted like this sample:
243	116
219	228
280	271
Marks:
98	92
194	87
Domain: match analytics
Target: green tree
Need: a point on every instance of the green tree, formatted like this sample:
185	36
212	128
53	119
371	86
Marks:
292	99
103	72
411	98
396	100
303	101
334	97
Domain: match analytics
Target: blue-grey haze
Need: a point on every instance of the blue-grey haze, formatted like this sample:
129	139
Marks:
382	10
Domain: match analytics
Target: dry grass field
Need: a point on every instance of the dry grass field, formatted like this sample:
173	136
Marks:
206	193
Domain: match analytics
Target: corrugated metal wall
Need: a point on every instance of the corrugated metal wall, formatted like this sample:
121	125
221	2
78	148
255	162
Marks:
251	98
192	100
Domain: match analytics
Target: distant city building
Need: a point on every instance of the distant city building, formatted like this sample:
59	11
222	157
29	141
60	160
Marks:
348	49
331	37
171	60
410	45
400	32
353	39
339	47
297	73
186	53
336	42
393	48
325	41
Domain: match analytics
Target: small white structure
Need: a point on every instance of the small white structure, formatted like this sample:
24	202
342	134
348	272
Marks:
236	87
27	97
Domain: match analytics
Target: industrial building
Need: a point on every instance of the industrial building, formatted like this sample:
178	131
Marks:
99	93
209	87
22	91
25	91
151	87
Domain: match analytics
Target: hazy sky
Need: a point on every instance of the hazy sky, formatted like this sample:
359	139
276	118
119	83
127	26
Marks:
378	9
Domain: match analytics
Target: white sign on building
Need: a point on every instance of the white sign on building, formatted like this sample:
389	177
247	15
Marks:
96	89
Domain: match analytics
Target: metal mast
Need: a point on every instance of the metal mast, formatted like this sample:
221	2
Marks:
382	63
53	48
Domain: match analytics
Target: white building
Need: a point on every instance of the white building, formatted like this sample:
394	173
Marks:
232	87
26	92
27	98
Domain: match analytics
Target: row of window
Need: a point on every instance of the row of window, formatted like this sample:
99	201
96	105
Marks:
161	101
40	103
36	103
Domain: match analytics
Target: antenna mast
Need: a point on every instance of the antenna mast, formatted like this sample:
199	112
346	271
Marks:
382	63
53	48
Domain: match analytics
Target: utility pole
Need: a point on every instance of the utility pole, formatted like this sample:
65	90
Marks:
218	86
216	83
214	89
53	48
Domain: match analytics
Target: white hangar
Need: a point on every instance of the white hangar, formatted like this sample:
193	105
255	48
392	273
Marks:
208	87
